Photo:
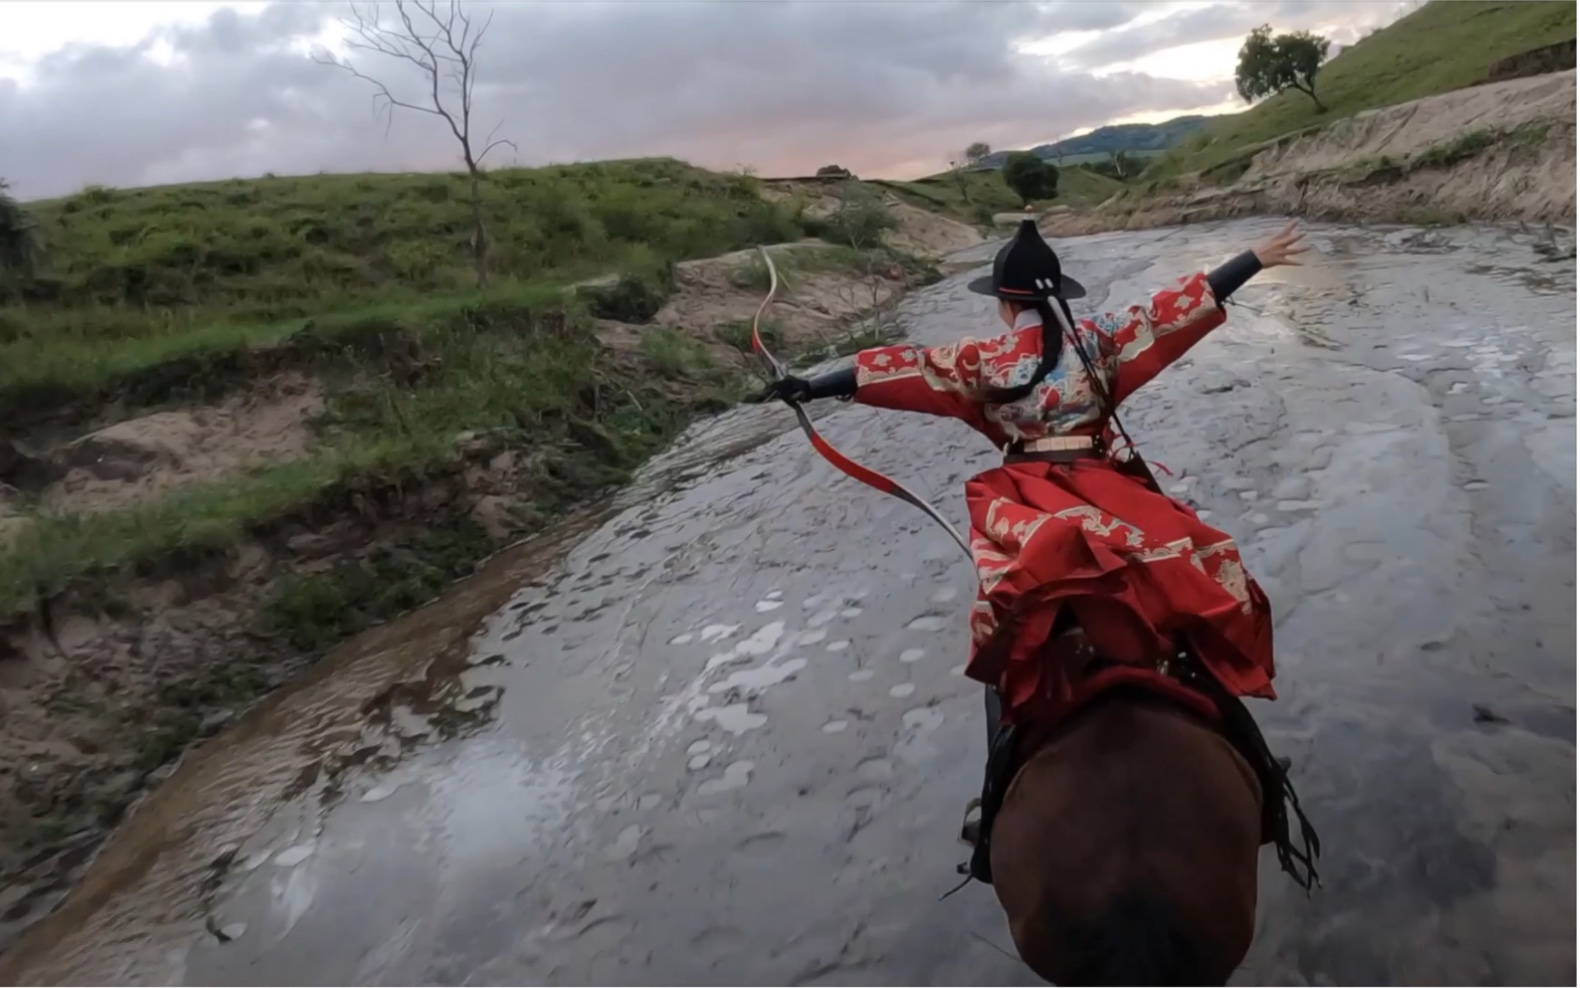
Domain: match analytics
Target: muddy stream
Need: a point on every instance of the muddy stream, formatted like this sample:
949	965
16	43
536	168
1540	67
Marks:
716	732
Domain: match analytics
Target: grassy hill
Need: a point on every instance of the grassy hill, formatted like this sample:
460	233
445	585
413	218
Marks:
135	278
1133	138
986	194
1440	47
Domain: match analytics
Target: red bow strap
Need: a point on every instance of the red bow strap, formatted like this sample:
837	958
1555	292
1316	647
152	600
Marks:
841	462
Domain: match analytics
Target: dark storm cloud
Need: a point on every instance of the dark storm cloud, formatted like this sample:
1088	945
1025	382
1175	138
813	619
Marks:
783	86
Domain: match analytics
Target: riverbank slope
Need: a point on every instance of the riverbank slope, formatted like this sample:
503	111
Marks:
244	420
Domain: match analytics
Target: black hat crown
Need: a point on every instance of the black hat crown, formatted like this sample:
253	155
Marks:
1026	270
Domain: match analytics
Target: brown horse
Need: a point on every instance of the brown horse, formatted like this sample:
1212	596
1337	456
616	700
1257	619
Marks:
1124	846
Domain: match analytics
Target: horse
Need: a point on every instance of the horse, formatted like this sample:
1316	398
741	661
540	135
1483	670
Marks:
1122	839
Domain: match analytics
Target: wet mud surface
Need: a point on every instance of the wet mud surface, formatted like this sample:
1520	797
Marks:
723	738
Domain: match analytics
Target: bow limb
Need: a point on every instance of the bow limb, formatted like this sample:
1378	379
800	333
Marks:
775	368
840	461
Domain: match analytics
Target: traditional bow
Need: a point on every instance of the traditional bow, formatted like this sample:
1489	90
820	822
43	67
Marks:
841	462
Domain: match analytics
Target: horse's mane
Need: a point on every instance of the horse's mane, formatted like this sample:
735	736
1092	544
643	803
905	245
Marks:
1137	940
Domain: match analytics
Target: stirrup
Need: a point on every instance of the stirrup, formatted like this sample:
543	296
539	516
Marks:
971	829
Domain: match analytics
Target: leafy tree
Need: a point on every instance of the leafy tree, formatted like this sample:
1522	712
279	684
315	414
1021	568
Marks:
1029	177
834	171
977	152
1272	63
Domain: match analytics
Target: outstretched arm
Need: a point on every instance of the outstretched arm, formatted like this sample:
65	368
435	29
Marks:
1150	338
938	380
1146	339
934	380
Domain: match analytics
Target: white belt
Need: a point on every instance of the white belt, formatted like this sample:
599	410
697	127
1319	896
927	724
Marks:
1051	444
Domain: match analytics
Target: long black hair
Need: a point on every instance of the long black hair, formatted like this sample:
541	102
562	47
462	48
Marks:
1052	350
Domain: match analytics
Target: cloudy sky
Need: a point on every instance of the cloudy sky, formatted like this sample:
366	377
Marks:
125	94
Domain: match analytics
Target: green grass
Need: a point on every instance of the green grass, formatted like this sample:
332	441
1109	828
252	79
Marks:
38	374
675	354
1079	187
313	611
136	278
498	366
751	273
986	194
266	249
1094	157
1529	137
1441	47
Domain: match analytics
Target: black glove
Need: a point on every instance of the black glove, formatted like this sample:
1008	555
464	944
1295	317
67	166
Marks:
788	388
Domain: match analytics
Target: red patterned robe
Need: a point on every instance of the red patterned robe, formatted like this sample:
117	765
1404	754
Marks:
1137	568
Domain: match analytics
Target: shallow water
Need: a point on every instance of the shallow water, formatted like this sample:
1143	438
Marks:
716	732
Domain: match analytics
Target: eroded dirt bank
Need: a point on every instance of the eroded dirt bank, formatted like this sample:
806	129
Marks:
723	738
1498	152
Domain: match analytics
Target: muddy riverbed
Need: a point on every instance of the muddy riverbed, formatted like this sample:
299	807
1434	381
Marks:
717	732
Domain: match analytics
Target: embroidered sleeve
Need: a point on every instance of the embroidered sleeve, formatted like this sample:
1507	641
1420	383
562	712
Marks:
1143	340
940	380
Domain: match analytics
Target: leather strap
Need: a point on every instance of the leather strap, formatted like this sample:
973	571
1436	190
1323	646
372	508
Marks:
1053	456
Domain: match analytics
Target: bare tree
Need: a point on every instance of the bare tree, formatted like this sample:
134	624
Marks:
442	42
957	171
869	306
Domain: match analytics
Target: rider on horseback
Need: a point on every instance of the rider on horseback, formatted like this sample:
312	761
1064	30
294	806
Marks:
1075	546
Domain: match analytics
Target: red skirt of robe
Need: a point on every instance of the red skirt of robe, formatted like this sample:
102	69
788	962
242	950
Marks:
1138	569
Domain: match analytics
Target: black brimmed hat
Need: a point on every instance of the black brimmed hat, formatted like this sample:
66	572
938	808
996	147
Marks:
1026	269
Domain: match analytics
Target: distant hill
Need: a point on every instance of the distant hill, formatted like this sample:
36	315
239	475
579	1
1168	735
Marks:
1132	138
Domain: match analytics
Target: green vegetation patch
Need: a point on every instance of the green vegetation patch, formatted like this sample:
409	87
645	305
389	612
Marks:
532	377
976	196
313	611
1526	137
201	275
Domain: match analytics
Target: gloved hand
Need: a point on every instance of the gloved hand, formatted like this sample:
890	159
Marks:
788	388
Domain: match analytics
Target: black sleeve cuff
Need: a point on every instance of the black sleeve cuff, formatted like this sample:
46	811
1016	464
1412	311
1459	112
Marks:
1228	277
835	384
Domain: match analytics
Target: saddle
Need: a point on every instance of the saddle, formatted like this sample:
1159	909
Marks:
1279	799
